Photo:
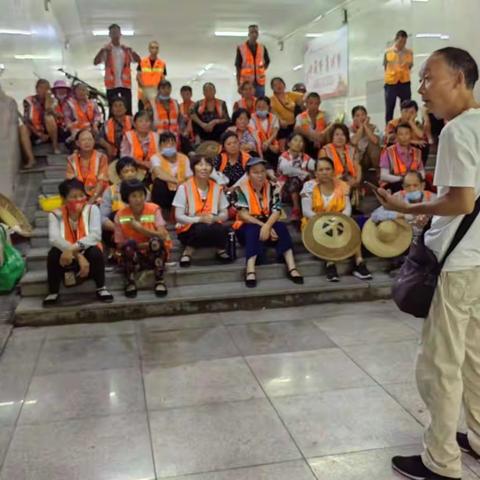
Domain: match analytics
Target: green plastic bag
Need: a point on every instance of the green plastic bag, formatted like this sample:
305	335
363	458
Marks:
13	266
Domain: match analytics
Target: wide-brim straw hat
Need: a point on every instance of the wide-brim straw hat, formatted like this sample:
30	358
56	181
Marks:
331	236
209	149
114	178
12	216
387	239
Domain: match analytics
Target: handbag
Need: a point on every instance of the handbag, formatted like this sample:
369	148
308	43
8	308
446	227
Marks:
13	265
415	285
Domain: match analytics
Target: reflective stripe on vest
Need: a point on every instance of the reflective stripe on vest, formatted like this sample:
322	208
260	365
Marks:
126	78
151	76
138	153
82	119
397	167
147	220
394	71
252	69
167	119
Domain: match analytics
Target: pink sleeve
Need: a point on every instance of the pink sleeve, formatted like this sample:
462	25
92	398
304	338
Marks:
159	220
384	161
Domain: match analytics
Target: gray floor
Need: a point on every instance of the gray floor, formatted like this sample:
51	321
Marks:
320	392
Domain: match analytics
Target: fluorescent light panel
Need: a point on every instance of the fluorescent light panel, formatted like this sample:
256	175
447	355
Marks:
12	31
441	36
105	32
33	57
313	35
231	34
297	67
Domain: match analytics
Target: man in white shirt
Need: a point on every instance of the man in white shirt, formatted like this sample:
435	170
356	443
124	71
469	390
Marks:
448	365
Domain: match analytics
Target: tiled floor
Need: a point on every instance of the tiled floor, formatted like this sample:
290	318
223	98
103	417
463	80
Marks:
321	392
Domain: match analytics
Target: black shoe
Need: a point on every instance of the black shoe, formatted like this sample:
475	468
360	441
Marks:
362	272
160	289
104	295
413	467
130	290
250	279
464	444
298	279
332	274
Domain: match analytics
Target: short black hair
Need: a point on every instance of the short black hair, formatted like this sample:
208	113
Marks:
166	136
401	34
264	99
314	95
462	61
293	135
186	88
343	128
403	125
417	174
123	162
165	83
197	158
358	108
114	25
127	187
119	99
67	186
87	129
409	104
324	159
142	114
299	87
209	84
274	79
41	81
226	135
245	83
253	26
239	112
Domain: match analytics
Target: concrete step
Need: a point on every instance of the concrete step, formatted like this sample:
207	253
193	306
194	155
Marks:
57	160
49	186
273	293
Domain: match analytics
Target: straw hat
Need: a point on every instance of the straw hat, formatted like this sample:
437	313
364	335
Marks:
14	217
114	178
387	239
331	236
209	149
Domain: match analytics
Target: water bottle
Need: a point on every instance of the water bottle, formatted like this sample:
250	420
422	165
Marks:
232	245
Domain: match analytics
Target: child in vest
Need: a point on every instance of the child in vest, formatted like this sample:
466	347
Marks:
294	168
399	159
141	237
74	234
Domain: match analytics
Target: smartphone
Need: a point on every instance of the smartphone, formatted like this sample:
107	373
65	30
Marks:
371	185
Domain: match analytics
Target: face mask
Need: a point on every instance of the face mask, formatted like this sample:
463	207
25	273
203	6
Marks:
413	197
163	97
262	113
76	206
61	96
169	151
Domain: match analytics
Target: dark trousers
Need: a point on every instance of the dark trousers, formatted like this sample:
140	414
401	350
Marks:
259	90
125	93
214	135
154	257
202	235
161	195
402	91
249	236
55	271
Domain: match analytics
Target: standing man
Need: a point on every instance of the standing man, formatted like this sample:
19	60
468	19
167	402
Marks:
117	59
252	62
151	71
448	365
397	62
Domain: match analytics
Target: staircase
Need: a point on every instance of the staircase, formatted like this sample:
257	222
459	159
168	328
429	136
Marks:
204	287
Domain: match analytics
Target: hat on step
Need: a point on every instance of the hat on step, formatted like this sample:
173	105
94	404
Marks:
12	216
387	239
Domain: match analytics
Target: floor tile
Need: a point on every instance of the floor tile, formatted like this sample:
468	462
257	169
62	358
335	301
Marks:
6	432
300	373
65	396
217	437
103	448
297	470
5	331
473	465
180	322
14	381
262	338
361	329
387	362
89	353
186	346
91	330
211	381
326	310
20	351
242	317
406	394
346	421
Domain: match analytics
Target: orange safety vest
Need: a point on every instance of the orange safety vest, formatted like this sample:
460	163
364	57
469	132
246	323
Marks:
244	158
256	208
394	71
195	206
112	125
151	76
138	153
36	113
306	123
147	220
218	107
337	161
242	103
263	134
252	69
83	119
83	225
181	175
90	180
126	78
397	167
167	119
117	202
185	111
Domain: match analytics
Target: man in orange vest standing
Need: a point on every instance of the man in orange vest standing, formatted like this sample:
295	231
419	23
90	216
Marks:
397	62
252	62
151	71
117	59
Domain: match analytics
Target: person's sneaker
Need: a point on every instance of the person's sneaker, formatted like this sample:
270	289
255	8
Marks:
464	444
413	467
332	274
362	272
50	299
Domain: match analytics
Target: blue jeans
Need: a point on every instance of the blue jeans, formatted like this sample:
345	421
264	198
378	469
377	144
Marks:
259	90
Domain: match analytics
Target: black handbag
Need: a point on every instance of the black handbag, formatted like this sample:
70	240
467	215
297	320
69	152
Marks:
415	285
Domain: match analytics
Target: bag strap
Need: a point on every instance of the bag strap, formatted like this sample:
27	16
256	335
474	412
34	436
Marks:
462	230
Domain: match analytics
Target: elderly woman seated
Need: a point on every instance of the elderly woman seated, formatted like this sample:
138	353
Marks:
258	224
247	135
200	210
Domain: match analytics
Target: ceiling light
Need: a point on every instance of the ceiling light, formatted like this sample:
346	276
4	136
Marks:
433	35
105	33
11	31
208	66
297	67
230	34
420	1
33	57
313	35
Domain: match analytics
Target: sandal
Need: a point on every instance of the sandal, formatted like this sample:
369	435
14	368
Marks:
250	282
298	279
223	256
131	290
104	295
185	261
160	288
50	299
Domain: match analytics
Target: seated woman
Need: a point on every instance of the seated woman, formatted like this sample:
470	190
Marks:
169	170
248	100
247	136
140	143
141	237
258	223
294	167
326	193
74	234
343	156
266	125
200	210
88	165
210	115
